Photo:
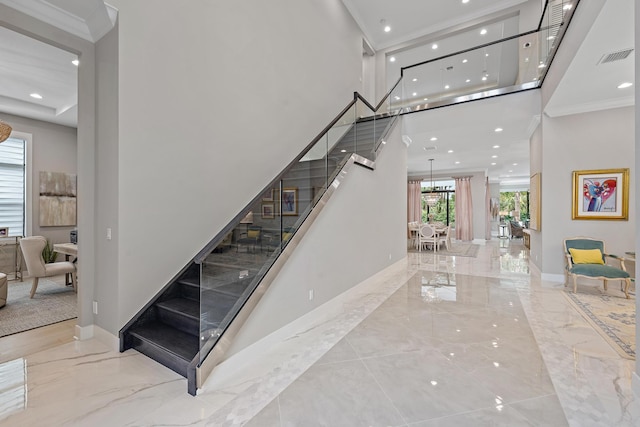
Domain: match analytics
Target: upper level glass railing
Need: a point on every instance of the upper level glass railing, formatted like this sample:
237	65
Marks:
508	65
235	263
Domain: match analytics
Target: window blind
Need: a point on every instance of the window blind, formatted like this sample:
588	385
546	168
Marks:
12	186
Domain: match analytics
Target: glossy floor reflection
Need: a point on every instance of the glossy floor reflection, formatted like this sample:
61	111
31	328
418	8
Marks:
431	341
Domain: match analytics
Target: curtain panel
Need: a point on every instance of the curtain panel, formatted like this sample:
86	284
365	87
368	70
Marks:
464	209
414	202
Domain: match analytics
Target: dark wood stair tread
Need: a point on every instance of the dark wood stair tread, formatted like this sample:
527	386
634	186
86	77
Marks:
172	340
185	306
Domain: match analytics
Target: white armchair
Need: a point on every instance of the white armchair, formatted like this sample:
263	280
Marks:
32	254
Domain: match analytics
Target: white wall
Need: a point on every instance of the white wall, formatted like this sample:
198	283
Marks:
535	166
597	140
107	180
361	231
53	149
214	99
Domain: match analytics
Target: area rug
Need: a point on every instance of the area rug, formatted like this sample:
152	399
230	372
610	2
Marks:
52	303
613	316
456	249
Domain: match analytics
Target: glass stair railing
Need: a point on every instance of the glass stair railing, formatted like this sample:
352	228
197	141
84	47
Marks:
509	65
190	324
241	262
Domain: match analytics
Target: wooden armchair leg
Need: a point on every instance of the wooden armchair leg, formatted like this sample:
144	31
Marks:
34	286
605	284
627	284
575	284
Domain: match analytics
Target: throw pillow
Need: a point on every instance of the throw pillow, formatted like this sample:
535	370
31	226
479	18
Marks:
586	256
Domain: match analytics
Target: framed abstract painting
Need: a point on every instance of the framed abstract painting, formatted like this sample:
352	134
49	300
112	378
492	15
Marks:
601	194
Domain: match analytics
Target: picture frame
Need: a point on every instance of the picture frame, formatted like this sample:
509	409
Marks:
268	196
4	232
601	194
268	211
290	201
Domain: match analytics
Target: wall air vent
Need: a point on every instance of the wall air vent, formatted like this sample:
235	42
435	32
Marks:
615	56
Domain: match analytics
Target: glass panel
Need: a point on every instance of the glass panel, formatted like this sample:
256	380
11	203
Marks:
365	131
233	270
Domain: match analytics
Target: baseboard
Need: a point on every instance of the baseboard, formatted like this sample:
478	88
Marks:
556	278
83	332
92	331
635	384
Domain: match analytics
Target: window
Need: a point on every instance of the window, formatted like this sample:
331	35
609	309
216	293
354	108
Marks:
12	186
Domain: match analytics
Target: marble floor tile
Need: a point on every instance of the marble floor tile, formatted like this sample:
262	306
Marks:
432	341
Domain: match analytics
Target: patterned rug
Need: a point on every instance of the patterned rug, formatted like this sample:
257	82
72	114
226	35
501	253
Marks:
52	303
610	313
456	249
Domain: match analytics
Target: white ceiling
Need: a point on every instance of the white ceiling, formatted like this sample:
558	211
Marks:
29	66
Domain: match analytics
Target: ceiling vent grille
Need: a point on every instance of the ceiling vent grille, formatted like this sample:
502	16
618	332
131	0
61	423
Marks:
615	56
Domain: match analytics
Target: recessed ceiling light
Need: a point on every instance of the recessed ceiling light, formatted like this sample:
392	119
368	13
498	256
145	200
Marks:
450	151
467	81
446	86
541	66
457	163
566	6
486	54
434	46
425	99
464	61
433	138
515	164
625	85
343	151
498	129
397	98
510	171
387	29
496	146
465	1
493	163
76	62
392	59
551	37
414	80
494	157
483	31
484	78
526	59
36	96
414	93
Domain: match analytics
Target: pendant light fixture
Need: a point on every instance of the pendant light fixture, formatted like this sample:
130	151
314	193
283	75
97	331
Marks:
432	197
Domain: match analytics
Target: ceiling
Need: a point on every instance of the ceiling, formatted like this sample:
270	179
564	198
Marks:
468	130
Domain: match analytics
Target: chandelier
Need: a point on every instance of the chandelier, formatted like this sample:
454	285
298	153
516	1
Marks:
432	197
5	131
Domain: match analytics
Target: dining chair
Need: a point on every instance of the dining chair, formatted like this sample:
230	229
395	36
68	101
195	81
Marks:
414	227
32	254
428	235
445	237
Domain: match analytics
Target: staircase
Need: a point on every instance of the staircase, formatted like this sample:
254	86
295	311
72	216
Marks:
185	314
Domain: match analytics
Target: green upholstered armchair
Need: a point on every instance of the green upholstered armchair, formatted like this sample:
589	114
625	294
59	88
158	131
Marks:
585	257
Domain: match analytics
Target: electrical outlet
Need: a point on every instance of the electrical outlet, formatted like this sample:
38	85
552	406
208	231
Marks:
389	257
95	307
108	233
310	294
